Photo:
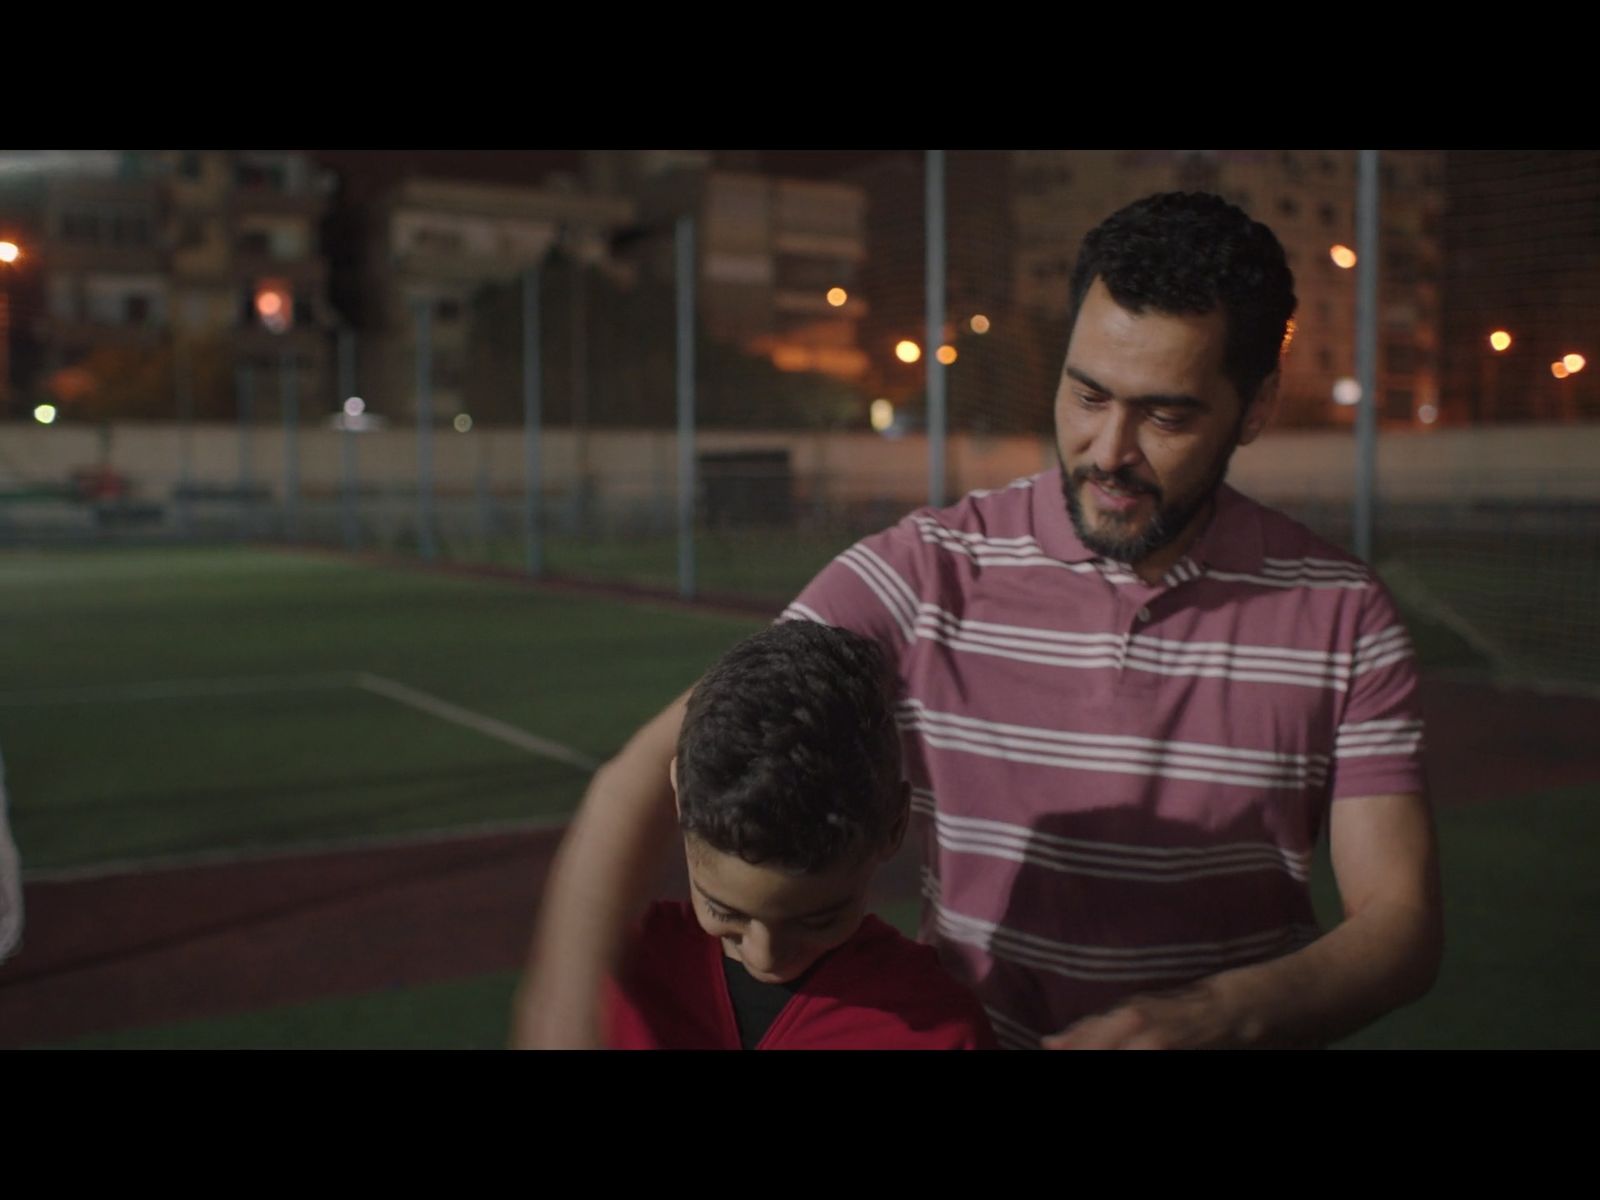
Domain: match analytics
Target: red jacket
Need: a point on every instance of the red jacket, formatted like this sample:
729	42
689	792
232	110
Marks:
878	991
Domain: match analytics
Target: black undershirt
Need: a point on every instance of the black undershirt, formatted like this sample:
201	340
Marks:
756	1005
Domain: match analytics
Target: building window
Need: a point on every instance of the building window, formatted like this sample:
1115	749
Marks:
1400	403
136	310
1400	358
189	165
438	241
130	231
1288	206
263	177
1402	266
191	233
1324	359
447	311
1328	214
254	241
81	227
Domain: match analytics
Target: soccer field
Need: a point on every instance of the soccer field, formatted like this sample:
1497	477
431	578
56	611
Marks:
164	709
169	702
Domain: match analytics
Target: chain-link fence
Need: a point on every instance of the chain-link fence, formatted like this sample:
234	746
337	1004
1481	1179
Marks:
471	308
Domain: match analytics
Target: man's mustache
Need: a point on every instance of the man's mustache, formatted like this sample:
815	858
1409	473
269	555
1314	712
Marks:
1122	478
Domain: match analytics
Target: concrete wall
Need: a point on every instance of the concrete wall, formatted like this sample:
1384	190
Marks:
1509	462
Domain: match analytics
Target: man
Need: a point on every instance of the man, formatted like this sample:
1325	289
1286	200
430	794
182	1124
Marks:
1132	700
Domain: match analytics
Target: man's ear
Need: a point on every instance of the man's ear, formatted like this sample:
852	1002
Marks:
1261	410
672	775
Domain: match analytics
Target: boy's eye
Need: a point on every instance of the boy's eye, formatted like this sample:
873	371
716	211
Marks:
723	916
1167	418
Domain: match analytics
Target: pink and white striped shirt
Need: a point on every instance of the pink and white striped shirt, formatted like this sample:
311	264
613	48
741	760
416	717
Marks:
1119	784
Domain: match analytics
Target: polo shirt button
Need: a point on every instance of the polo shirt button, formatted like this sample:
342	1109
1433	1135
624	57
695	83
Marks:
1144	614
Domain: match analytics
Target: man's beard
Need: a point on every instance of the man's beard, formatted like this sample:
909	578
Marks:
1168	522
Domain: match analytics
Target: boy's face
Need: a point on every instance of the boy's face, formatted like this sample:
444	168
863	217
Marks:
773	921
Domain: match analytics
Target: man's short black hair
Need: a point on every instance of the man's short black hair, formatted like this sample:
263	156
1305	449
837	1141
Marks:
1184	253
789	755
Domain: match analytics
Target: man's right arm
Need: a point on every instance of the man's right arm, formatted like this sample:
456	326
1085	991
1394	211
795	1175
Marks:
612	853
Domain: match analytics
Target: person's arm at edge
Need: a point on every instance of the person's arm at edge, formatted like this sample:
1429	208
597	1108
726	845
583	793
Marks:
597	884
1383	954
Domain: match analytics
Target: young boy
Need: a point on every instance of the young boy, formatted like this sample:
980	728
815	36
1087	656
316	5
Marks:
787	779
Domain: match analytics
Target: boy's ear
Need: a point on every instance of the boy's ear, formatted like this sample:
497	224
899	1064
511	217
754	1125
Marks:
897	832
672	776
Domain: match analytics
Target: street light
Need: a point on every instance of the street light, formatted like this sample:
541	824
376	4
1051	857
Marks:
1500	340
10	252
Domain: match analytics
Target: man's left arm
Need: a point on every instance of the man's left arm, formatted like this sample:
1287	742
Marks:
1384	953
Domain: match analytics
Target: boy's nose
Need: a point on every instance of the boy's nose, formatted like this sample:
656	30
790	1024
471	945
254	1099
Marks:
762	951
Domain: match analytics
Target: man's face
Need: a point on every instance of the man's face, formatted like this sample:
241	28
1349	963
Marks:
1146	422
777	923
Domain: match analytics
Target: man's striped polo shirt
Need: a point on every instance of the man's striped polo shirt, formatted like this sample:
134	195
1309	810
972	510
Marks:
1120	784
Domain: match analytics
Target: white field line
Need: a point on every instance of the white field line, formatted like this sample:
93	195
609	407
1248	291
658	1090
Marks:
172	689
351	845
244	685
1407	583
488	726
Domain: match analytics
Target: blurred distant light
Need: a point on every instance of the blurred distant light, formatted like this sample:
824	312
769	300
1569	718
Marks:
946	355
882	415
907	351
45	414
9	252
355	406
1347	391
1343	256
1559	370
275	305
837	297
1500	339
980	323
1574	363
1288	336
462	423
1427	414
